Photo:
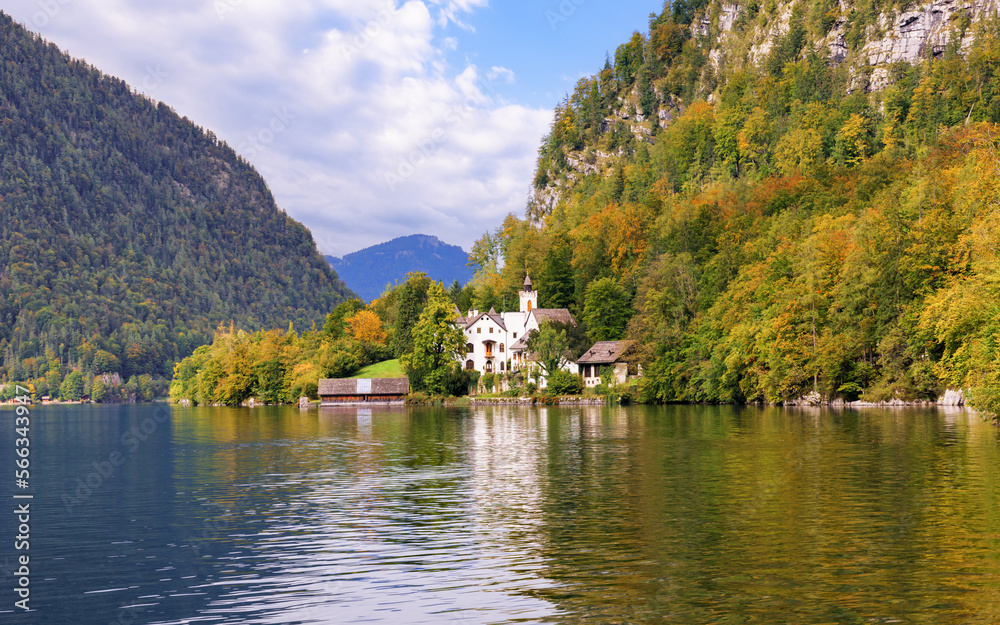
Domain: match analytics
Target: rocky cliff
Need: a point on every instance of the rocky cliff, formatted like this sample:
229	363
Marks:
872	46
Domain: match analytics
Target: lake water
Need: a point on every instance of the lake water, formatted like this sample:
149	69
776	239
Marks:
686	514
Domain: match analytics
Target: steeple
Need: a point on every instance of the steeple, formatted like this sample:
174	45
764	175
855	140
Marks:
528	296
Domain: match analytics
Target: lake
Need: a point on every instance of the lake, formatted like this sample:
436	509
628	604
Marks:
687	514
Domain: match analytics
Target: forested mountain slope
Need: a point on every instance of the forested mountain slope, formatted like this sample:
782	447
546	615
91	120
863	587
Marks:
777	198
128	234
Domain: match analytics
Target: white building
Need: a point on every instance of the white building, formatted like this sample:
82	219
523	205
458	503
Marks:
496	342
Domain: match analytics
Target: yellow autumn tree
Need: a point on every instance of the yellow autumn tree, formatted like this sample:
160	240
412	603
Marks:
365	326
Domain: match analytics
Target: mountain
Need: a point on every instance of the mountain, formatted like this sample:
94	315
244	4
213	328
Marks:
128	233
779	200
370	270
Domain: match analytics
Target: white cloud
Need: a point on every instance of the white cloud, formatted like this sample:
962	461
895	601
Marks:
377	135
496	73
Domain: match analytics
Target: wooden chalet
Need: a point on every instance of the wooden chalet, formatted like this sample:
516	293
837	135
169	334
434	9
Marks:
348	391
614	354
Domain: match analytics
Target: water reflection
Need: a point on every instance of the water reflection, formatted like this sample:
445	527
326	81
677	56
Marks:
678	513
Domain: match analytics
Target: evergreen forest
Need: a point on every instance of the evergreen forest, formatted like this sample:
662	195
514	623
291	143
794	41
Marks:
129	234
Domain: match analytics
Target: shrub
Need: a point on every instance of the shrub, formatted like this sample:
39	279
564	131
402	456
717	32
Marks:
562	382
850	391
488	381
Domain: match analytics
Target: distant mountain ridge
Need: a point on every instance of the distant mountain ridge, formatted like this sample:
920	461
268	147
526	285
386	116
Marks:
370	270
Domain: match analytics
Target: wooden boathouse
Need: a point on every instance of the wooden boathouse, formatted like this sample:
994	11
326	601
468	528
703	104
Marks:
349	391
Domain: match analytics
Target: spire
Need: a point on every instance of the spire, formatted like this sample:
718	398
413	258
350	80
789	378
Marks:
527	282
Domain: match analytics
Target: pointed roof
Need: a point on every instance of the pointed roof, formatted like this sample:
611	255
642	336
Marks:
605	352
527	282
559	315
492	314
520	344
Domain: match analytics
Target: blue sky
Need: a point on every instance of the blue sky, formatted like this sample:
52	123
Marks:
369	119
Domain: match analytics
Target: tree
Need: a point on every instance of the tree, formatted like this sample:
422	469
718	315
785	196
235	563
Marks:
98	390
340	359
334	326
72	387
853	140
432	362
106	362
271	367
365	326
555	282
606	312
549	346
411	298
237	383
564	383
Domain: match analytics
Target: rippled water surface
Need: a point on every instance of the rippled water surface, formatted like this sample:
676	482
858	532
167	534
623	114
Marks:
681	514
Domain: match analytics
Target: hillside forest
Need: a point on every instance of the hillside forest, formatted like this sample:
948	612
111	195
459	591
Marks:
129	234
767	229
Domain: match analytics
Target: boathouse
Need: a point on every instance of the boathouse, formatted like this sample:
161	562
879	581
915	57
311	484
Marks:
348	391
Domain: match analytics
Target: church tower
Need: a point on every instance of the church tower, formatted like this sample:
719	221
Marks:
529	297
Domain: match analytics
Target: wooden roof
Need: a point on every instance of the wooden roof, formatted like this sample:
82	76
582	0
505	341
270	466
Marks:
520	344
559	315
605	352
364	386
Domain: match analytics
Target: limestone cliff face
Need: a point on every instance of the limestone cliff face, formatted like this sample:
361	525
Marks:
922	32
919	32
733	36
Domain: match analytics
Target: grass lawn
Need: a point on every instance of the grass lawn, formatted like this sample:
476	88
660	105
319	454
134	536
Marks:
384	369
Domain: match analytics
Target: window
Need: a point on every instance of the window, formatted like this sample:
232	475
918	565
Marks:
515	335
491	329
489	367
501	365
501	348
469	348
469	365
479	330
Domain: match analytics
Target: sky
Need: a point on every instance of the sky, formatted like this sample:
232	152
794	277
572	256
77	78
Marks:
369	119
